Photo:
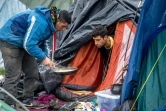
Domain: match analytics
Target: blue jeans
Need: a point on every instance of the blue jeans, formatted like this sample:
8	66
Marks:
16	61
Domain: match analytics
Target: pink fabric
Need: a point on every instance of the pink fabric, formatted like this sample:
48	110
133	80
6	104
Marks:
45	98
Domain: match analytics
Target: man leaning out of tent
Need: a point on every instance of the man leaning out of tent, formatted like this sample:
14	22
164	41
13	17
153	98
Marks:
104	42
20	39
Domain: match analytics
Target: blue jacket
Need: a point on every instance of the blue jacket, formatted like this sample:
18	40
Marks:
29	30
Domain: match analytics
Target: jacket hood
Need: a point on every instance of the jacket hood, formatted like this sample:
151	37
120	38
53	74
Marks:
46	12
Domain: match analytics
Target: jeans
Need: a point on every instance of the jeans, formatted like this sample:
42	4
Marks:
16	61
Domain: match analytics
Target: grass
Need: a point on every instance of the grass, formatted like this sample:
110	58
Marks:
2	71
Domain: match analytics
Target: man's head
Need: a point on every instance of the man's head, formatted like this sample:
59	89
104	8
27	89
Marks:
61	19
100	35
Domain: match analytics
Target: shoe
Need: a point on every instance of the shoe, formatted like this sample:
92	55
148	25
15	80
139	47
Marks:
36	105
27	101
30	103
54	105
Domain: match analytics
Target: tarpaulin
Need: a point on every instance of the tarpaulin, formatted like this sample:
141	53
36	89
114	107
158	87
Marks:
151	88
151	18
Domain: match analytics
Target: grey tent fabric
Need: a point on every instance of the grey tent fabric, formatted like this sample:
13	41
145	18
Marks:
61	4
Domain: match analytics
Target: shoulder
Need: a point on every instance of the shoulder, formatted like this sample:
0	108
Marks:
38	20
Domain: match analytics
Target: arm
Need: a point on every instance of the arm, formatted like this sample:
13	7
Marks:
32	38
45	47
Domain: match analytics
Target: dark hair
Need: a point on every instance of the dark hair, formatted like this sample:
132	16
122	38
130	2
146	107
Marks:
64	16
99	31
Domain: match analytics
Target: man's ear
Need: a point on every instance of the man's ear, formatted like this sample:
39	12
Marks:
58	20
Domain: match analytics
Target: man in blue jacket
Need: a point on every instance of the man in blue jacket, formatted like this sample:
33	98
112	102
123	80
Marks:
23	40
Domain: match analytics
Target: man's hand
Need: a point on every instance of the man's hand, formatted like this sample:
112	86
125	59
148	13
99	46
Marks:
48	62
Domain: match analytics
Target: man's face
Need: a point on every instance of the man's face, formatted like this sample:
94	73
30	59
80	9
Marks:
99	41
60	26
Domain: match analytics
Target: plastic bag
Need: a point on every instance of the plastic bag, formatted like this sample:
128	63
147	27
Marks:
51	80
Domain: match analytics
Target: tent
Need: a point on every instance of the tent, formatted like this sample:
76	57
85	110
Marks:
74	45
90	68
147	62
85	16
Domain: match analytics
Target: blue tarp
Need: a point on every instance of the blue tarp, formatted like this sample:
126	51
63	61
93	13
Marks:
153	16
